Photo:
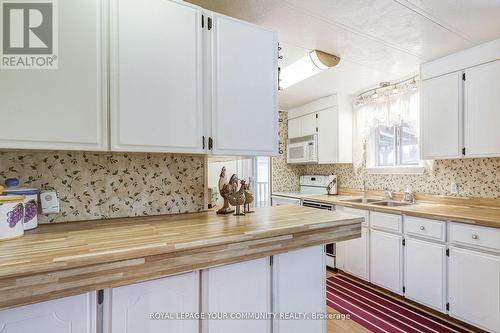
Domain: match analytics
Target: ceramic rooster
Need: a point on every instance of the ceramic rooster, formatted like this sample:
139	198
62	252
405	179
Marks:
238	198
225	190
248	198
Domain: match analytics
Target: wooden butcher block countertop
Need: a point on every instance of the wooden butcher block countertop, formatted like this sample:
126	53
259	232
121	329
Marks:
473	211
70	258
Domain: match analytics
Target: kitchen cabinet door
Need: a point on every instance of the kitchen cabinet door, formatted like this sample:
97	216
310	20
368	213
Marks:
294	128
474	288
482	110
156	80
386	260
441	117
63	108
425	273
244	88
328	137
299	287
353	255
74	314
129	307
237	288
308	124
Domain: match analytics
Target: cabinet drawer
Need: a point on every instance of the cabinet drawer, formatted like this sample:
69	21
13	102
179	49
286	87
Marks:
475	235
432	229
389	222
356	211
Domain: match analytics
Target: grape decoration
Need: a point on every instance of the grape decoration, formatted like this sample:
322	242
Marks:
30	210
15	215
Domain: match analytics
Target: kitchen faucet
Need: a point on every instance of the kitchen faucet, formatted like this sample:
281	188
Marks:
365	192
389	194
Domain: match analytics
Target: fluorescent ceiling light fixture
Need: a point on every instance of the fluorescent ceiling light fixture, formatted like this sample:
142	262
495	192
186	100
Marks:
311	64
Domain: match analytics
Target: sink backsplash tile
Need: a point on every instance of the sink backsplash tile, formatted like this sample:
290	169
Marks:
479	177
105	185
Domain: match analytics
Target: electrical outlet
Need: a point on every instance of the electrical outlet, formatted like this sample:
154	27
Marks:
454	188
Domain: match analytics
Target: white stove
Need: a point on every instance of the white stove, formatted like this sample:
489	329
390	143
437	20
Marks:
309	185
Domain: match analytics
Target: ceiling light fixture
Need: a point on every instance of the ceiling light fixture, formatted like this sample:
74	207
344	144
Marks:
310	64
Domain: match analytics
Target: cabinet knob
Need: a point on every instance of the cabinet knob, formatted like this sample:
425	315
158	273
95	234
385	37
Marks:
422	227
474	236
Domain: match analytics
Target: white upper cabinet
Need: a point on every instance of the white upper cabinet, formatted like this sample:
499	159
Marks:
330	118
460	91
156	77
294	128
482	110
309	124
74	314
244	88
441	117
63	108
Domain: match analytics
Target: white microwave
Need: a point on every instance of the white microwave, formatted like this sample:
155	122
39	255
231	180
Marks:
302	150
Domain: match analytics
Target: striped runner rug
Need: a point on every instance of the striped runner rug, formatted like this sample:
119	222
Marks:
378	312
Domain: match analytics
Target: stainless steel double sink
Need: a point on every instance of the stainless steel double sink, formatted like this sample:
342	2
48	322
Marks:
378	202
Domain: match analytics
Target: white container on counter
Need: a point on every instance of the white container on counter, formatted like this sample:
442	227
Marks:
11	216
30	201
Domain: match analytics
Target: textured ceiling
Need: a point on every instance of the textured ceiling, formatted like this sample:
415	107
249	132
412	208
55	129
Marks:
377	40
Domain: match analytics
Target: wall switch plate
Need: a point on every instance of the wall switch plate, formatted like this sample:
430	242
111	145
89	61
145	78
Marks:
49	202
454	188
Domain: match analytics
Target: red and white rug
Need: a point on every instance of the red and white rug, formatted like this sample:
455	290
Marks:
379	312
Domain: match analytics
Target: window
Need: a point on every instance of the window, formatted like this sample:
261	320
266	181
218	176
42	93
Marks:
396	145
387	131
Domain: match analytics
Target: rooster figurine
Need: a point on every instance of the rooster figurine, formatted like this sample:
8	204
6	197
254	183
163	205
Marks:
238	198
248	198
225	190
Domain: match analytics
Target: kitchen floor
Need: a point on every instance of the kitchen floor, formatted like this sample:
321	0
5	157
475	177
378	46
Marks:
350	326
341	326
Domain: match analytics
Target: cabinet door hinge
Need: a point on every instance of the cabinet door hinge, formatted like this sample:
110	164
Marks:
209	23
463	76
210	143
404	290
100	296
463	151
447	252
404	242
447	306
203	142
202	21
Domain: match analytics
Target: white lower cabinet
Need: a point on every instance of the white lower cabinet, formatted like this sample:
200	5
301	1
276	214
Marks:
129	308
386	260
425	273
353	255
74	314
237	288
474	288
299	287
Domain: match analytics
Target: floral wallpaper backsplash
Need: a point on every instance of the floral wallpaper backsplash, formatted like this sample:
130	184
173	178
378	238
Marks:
105	185
477	177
